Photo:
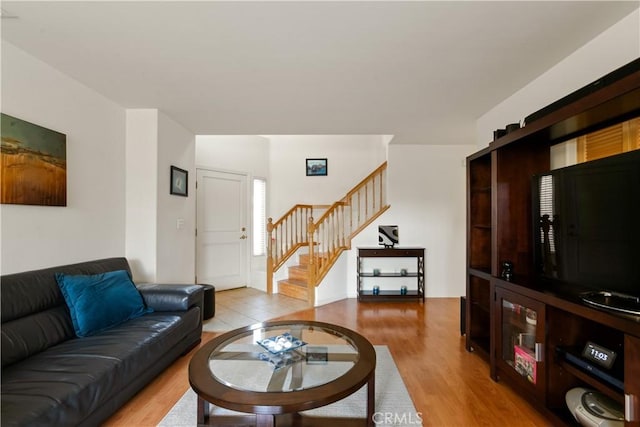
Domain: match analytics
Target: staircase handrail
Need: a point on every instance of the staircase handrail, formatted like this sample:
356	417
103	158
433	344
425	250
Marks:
368	178
289	213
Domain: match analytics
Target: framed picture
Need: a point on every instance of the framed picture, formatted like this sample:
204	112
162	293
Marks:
33	164
316	167
179	182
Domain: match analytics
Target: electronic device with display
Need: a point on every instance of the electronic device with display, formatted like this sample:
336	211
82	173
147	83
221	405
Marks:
596	360
599	355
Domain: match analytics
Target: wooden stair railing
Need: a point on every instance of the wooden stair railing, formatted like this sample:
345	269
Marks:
331	234
286	236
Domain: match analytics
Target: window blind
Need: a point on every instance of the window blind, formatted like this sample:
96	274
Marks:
615	139
546	208
259	217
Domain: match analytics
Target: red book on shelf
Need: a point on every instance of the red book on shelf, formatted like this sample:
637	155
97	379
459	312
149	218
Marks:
525	363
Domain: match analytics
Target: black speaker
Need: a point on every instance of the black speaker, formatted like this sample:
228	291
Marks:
463	315
603	81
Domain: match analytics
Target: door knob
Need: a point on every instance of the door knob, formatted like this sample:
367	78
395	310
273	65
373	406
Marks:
243	237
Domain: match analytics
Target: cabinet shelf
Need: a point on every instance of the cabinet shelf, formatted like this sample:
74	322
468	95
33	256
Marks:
388	275
486	189
483	273
610	391
482	226
412	258
384	294
517	321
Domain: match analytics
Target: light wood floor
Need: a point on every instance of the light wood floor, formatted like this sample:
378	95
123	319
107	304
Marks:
448	385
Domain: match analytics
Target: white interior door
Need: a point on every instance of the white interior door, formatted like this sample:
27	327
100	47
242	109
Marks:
221	241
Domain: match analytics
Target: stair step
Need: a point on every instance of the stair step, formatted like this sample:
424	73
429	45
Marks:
293	288
299	273
303	259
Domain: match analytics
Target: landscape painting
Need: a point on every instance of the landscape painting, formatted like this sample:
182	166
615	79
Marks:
33	164
316	167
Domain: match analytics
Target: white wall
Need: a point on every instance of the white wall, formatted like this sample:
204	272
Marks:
350	158
176	247
565	154
612	49
92	224
118	201
141	193
234	153
335	286
157	250
427	193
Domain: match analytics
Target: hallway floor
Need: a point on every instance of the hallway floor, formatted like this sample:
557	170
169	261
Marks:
240	307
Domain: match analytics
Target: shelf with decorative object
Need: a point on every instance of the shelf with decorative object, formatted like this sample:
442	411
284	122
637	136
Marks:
390	274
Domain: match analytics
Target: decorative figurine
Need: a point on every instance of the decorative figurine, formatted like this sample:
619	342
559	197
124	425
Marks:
507	270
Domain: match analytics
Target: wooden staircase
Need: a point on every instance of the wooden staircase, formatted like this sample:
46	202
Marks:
325	238
297	284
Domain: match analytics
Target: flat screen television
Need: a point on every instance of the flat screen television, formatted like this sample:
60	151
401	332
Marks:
587	229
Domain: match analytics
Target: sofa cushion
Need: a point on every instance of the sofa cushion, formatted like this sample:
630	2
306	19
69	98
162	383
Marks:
63	384
100	301
32	334
31	301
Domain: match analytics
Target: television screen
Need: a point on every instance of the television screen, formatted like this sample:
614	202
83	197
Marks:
388	235
587	224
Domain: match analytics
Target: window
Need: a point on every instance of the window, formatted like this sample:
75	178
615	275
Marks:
259	217
546	208
615	139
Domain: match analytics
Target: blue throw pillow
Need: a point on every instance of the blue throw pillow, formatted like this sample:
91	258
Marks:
100	301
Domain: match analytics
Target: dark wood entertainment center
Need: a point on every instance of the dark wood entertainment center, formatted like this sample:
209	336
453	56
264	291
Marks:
504	320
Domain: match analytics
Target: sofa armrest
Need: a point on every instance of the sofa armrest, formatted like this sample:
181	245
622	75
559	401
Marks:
169	297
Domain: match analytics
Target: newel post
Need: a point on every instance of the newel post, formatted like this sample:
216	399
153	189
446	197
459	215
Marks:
313	265
270	256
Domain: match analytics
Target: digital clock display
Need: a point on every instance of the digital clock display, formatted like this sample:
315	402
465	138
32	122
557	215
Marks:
598	354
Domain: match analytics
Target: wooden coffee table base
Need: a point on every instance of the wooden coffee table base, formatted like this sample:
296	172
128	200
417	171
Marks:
287	420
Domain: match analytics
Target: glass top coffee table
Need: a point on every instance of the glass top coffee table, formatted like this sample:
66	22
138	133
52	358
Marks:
275	370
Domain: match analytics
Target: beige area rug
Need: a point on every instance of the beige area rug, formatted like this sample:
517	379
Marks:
394	407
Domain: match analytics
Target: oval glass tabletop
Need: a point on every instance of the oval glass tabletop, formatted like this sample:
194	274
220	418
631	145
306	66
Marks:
283	358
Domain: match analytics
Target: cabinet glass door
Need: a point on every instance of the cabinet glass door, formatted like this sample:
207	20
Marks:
521	349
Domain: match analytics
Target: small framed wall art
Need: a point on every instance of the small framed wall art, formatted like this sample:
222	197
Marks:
316	167
179	182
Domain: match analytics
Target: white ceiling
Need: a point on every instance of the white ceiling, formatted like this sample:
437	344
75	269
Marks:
423	71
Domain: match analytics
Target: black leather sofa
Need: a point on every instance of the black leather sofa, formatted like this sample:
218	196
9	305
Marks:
50	377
